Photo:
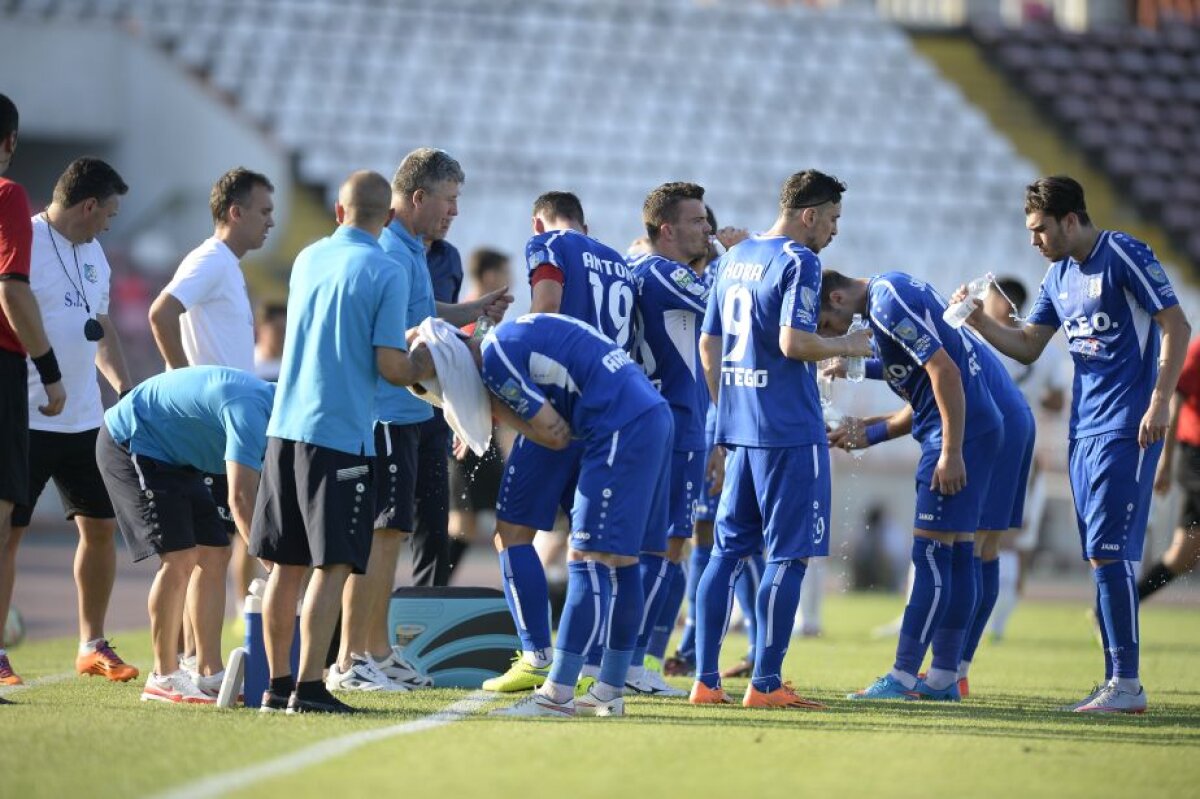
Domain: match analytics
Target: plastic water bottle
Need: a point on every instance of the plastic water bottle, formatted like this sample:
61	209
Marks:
956	315
856	366
482	325
716	246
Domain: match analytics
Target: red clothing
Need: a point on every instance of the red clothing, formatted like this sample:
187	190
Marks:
1188	431
16	244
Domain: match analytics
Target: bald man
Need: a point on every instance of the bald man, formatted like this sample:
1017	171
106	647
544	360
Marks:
346	303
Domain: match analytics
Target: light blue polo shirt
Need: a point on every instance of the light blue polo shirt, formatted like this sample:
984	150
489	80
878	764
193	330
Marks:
200	417
395	404
346	298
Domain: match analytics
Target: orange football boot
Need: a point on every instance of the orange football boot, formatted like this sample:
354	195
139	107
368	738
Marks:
7	675
104	662
703	695
783	696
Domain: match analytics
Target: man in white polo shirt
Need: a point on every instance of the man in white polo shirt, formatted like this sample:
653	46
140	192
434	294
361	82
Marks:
69	276
204	317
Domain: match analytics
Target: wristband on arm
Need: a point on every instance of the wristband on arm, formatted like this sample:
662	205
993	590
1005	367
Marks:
47	366
876	432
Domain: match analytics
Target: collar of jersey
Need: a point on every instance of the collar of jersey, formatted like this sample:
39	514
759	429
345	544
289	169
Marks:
354	234
412	242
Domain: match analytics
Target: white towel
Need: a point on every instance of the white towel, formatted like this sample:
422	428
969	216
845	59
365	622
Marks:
457	389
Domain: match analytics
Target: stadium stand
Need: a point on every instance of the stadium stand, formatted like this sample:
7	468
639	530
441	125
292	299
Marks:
1130	98
611	98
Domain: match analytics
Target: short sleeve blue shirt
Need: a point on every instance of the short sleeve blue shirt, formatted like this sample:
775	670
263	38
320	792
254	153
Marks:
906	319
1106	306
589	380
445	270
397	404
598	286
346	297
766	399
671	303
200	417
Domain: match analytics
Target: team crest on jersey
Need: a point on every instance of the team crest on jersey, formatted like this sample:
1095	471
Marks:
91	274
537	257
906	330
686	280
511	393
808	298
1156	272
1095	287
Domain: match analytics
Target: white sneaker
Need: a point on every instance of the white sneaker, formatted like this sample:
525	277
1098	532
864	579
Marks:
187	663
538	705
363	675
1112	699
175	687
591	705
653	684
211	684
399	670
1096	689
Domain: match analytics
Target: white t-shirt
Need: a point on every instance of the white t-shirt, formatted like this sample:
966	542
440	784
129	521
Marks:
218	328
57	286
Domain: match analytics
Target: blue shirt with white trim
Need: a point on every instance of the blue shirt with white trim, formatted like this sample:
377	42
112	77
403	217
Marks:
598	286
906	318
397	404
589	380
1106	306
200	417
766	399
346	297
670	304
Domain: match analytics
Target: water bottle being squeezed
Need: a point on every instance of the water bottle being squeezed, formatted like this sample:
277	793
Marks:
956	315
856	366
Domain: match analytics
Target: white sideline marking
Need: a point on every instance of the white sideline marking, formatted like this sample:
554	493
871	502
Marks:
49	679
324	750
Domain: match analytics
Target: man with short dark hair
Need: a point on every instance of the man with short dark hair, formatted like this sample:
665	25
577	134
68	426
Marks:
21	333
1114	302
759	348
671	301
347	305
70	278
203	316
573	274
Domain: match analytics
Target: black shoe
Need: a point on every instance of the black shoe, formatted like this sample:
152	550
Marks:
273	703
325	704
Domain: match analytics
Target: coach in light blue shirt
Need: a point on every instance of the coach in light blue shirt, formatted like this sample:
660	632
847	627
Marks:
393	404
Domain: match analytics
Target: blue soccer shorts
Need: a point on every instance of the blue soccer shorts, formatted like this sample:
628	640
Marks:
624	484
1004	502
687	481
1112	479
957	513
775	501
537	482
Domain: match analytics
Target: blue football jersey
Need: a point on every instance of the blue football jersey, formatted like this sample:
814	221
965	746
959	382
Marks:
766	399
592	383
598	286
1106	306
670	304
906	319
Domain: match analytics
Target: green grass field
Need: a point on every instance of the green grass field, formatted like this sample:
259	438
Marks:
75	737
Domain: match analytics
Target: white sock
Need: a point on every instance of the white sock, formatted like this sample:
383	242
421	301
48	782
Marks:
811	595
1006	601
963	668
909	681
605	692
590	671
558	693
635	673
1129	684
940	679
3	651
89	646
538	658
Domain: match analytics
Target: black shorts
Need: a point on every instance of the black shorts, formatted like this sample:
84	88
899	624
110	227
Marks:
70	459
314	507
1187	473
14	428
160	507
396	447
218	486
475	481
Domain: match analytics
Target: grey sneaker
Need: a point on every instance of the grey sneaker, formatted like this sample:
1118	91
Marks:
1112	699
1073	706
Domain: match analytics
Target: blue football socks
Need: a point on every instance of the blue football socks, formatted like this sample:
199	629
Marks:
951	631
778	598
989	590
1119	616
697	563
714	602
747	598
656	584
589	597
660	636
527	595
926	605
623	622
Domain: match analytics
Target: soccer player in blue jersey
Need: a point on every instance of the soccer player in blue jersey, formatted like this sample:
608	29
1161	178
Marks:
575	275
671	302
759	348
975	572
555	380
347	305
154	449
1114	303
937	370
